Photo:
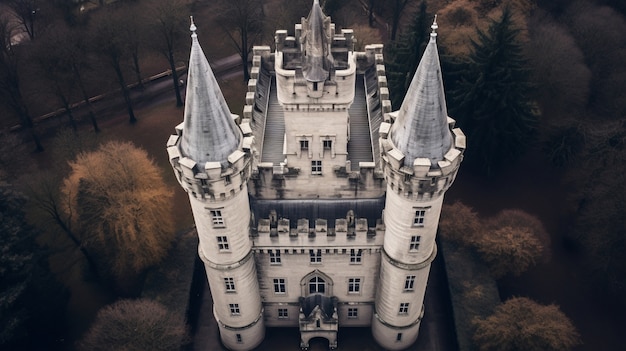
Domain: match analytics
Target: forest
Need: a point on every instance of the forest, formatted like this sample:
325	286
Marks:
536	85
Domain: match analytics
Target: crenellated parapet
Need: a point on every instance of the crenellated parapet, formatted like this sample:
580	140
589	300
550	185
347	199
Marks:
424	181
212	181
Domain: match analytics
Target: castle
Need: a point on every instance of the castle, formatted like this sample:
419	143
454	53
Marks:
318	208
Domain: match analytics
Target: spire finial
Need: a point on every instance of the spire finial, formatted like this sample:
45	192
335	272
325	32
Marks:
193	28
433	34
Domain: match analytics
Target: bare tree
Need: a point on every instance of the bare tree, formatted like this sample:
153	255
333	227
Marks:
459	223
558	67
242	20
398	8
522	324
169	26
121	208
136	325
10	80
110	42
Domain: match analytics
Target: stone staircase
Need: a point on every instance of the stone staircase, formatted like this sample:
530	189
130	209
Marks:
360	144
274	129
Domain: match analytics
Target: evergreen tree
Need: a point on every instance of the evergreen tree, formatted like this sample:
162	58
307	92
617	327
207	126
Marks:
403	56
491	100
31	301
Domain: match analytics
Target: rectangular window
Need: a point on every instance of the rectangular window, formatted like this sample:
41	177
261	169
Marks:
404	308
354	285
280	287
316	256
222	243
328	144
353	312
399	337
234	309
355	256
283	313
316	167
409	283
239	339
230	284
415	243
418	220
274	257
216	218
304	144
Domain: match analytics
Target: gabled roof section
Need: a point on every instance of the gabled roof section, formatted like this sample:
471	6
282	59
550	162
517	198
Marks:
316	46
209	131
421	128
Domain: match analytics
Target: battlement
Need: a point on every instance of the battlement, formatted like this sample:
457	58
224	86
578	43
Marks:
302	233
213	182
424	181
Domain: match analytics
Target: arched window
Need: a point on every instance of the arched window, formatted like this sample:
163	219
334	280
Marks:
317	285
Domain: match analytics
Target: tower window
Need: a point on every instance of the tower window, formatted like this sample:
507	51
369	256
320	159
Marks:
280	287
399	337
304	144
355	256
216	218
283	313
239	339
275	257
415	243
409	283
315	256
230	284
314	86
404	308
354	285
222	243
420	214
316	167
353	313
234	309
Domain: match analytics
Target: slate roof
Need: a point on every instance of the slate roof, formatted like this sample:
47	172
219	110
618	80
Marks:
421	128
209	131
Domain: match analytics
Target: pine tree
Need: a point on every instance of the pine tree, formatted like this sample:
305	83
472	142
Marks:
491	100
403	56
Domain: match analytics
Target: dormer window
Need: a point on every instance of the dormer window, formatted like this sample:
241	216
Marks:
304	144
328	144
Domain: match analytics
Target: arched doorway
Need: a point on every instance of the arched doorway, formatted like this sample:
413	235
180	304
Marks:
319	344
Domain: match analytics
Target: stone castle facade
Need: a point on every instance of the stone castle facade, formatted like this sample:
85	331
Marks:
318	208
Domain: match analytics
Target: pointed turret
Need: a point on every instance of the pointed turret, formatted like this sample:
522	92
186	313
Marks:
421	129
210	133
316	61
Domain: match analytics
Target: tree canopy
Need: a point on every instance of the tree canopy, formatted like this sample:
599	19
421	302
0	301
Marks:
491	102
135	325
121	207
521	324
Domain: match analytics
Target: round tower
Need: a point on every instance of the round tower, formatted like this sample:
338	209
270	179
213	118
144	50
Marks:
213	168
421	153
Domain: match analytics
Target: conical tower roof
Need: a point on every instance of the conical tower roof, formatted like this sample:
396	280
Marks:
210	133
421	128
316	46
